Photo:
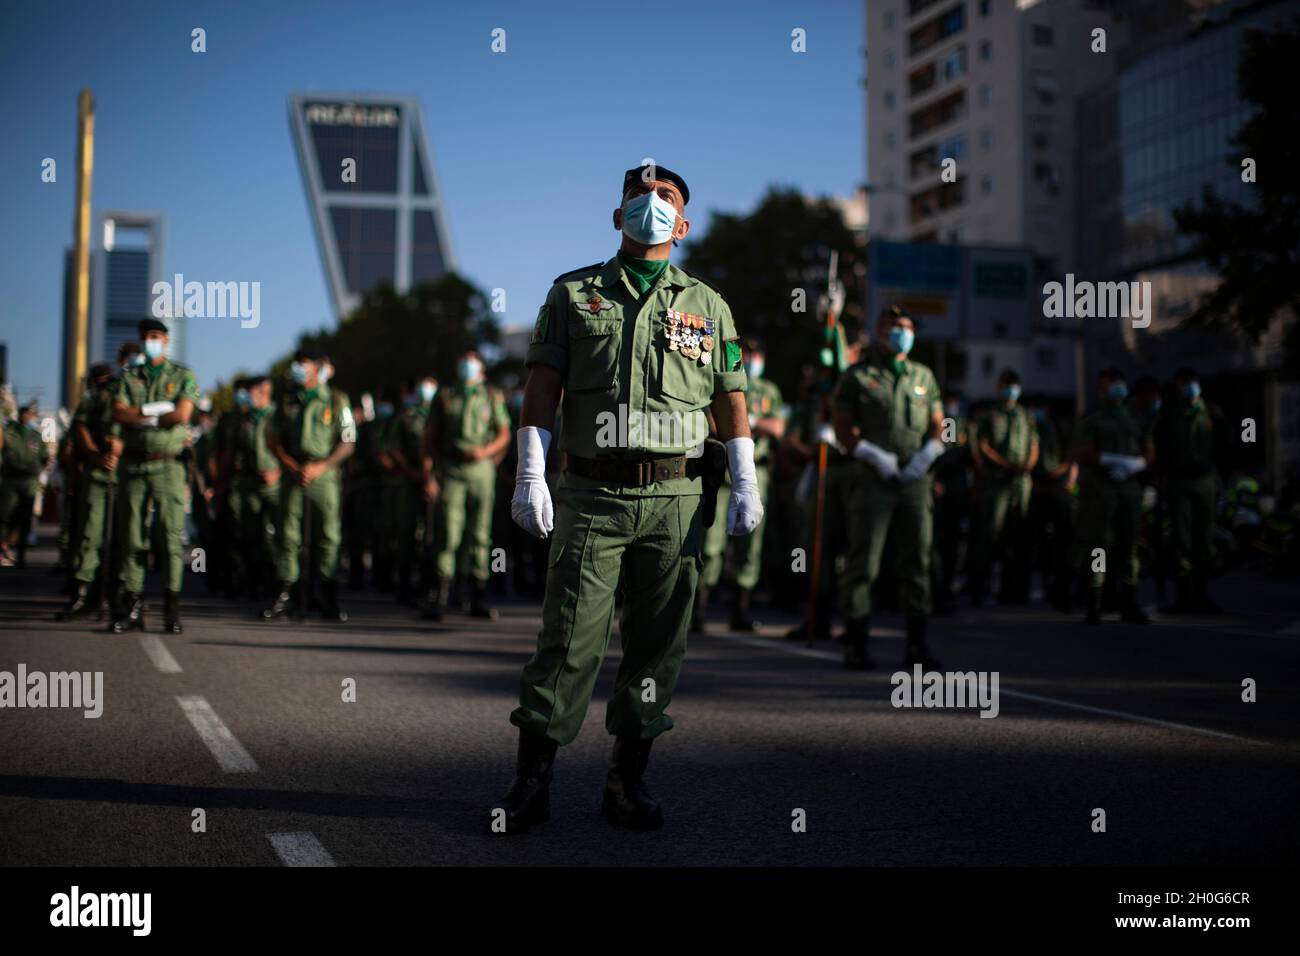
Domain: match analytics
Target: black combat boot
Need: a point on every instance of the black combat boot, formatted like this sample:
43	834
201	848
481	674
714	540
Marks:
435	601
698	608
856	632
478	605
916	651
286	602
172	612
329	602
627	801
80	604
528	800
1129	610
1200	596
1094	606
741	619
131	614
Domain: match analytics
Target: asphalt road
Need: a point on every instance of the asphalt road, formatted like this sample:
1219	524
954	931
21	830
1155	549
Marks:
1145	723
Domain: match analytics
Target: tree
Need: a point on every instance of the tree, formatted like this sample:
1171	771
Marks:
760	261
1255	249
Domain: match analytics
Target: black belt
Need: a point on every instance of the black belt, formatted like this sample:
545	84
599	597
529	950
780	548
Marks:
633	472
150	456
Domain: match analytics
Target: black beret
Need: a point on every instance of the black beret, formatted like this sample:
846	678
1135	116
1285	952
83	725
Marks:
152	325
101	370
661	173
311	353
254	380
128	348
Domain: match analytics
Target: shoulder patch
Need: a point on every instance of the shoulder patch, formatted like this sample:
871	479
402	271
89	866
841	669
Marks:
584	271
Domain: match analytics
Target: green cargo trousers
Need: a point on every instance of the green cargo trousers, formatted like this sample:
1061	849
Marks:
404	504
89	525
1108	519
465	500
323	496
656	543
878	505
748	549
1001	534
163	483
1191	513
254	509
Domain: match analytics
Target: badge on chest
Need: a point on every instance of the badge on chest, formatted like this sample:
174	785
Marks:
692	336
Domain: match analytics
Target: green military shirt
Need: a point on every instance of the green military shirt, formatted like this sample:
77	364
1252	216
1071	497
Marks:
764	401
95	412
166	382
309	424
1111	429
23	457
1185	440
405	432
250	454
1050	450
893	411
638	370
1010	432
466	417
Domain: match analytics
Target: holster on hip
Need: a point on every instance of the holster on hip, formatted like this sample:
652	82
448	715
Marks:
713	470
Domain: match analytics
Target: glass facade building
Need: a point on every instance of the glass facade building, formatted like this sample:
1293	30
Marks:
371	186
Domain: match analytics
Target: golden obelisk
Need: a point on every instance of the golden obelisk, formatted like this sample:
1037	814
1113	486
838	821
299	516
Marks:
79	304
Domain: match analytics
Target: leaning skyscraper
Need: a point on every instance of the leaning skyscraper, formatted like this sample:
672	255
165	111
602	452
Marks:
373	194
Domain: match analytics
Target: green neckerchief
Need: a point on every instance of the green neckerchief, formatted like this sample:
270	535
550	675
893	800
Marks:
308	394
643	272
897	365
152	370
259	413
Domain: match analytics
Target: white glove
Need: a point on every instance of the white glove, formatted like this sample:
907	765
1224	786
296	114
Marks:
149	422
746	509
826	435
155	409
531	506
920	463
885	462
1121	467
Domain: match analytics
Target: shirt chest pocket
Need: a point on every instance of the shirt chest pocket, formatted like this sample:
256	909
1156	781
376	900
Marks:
594	344
684	380
875	409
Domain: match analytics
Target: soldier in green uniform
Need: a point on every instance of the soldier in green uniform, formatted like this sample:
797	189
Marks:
22	460
767	425
97	438
888	412
952	495
152	405
253	487
1052	509
362	494
639	349
467	427
1185	448
1007	453
403	495
311	434
1111	448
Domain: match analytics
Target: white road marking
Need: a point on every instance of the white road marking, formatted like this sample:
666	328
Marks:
1052	701
300	849
230	753
158	653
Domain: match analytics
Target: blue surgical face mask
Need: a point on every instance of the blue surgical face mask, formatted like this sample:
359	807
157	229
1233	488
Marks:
153	348
469	369
427	391
1192	390
384	410
136	360
298	372
648	219
1011	393
242	398
1118	391
901	339
952	409
1040	415
754	367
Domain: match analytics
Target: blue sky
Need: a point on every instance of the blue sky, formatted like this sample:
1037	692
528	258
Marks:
529	145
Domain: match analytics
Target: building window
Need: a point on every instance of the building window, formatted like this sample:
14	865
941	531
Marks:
954	236
951	107
1043	35
922	79
889	99
889	19
934	200
985	7
890	60
954	64
986	49
986	95
937	29
986	139
1046	359
986	185
890	139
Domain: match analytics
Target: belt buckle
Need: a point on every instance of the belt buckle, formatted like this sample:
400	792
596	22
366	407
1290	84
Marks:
644	473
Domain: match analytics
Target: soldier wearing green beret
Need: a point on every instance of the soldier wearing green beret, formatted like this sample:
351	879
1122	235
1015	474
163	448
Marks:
22	459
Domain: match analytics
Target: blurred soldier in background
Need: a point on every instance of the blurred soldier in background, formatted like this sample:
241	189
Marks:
22	460
253	486
952	494
1007	452
888	411
153	404
467	428
361	493
1185	454
311	433
404	484
767	425
98	446
1052	509
1111	449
